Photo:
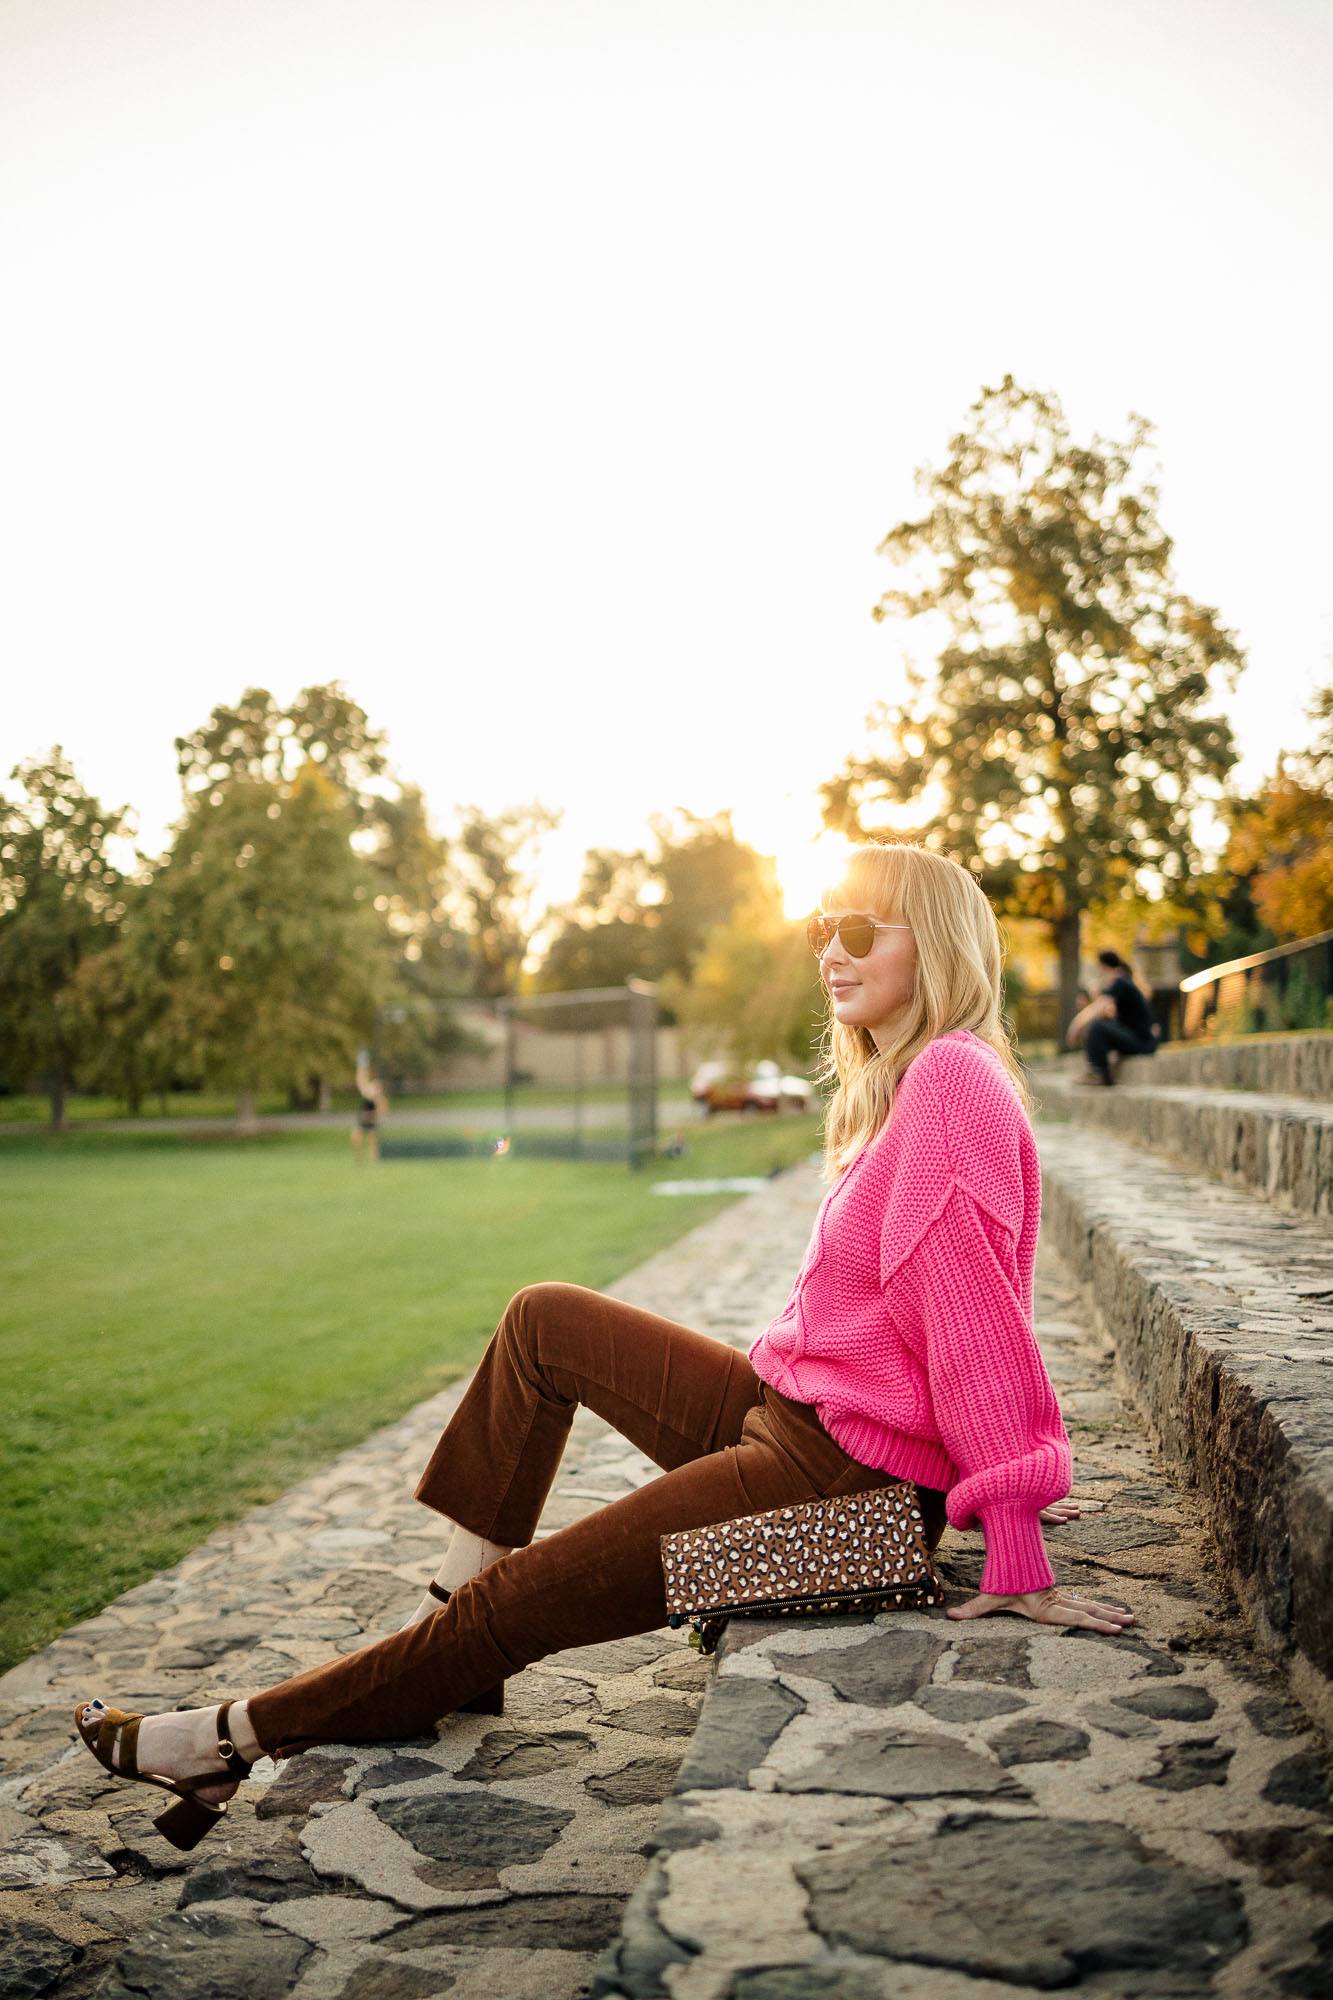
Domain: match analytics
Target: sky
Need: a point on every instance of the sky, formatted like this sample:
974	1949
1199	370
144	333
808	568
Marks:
549	373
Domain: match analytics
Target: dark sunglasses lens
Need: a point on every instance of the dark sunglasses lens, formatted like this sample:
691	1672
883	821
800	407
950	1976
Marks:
857	934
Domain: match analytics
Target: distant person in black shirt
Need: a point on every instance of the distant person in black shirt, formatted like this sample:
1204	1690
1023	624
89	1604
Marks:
1119	1018
371	1106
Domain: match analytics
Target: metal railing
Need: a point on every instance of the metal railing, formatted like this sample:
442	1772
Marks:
1289	987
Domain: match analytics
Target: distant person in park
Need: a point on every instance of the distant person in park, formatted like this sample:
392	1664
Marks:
1119	1018
905	1352
371	1106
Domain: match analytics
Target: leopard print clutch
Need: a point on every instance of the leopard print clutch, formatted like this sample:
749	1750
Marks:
865	1553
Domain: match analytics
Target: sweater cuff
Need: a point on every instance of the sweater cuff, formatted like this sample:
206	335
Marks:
1016	1560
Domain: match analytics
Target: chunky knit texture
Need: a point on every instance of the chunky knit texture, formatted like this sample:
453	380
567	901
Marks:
909	1326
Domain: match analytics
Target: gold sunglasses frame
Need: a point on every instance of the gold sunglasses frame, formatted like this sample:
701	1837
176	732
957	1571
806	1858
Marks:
819	927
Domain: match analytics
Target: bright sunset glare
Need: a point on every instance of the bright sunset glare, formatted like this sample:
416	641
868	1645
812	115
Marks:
549	374
807	868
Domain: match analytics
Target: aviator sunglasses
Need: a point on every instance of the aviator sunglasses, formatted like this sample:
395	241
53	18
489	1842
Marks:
856	933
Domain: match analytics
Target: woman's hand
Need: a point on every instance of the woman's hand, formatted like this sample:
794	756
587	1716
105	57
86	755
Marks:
1069	1510
1049	1607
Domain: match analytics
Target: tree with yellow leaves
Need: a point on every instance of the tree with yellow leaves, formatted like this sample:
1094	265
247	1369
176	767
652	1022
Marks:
1283	837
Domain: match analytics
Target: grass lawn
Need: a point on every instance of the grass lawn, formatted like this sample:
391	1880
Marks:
188	1326
675	1093
26	1108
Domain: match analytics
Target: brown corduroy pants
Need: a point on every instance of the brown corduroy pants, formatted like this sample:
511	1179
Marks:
727	1445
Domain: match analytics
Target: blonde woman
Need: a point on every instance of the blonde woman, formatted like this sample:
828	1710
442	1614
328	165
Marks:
905	1352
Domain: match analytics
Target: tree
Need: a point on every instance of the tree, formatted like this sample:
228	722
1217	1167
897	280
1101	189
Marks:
647	915
754	988
495	886
259	742
262	743
123	1003
61	899
429	953
267	744
1282	839
608	934
256	949
705	874
1066	738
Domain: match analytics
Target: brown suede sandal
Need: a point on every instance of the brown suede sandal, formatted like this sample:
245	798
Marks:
105	1730
491	1701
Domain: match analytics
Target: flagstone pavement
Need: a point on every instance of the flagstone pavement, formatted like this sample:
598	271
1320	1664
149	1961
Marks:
497	1855
532	1857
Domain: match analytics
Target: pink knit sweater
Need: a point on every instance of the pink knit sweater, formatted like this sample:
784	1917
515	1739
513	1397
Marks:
909	1327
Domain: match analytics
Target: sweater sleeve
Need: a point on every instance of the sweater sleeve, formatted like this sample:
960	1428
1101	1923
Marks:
994	1406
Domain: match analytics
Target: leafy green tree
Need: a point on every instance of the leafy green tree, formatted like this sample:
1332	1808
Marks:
61	899
429	952
608	934
260	742
260	930
647	915
705	873
1067	735
754	988
124	1010
493	862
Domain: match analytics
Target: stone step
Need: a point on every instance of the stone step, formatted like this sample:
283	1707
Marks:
1280	1147
1220	1310
1296	1065
920	1809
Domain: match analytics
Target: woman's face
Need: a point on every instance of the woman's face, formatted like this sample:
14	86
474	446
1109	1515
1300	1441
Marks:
870	992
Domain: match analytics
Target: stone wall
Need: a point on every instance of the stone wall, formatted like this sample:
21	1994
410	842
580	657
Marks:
1221	1314
1283	1065
1282	1147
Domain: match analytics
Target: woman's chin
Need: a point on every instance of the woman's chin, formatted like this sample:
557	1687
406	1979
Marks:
848	1013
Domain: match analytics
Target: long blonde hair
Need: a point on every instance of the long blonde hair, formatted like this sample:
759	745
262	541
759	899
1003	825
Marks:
960	959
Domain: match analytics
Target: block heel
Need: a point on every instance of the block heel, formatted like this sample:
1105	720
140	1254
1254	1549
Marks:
186	1823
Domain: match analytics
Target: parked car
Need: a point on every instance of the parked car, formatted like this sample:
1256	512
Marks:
720	1086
